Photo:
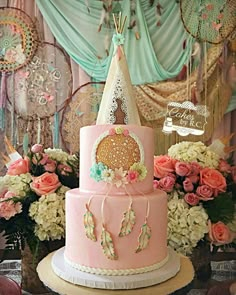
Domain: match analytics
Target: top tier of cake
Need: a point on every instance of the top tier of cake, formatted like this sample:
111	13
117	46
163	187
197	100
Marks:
116	159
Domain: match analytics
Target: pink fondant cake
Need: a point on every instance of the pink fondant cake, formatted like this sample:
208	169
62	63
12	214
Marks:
115	223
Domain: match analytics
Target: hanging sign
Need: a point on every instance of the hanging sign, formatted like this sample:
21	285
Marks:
185	118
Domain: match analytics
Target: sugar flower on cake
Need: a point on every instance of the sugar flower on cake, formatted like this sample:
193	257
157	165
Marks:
197	179
120	177
140	169
32	196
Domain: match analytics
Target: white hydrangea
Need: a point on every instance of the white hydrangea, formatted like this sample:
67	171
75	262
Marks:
58	155
49	214
18	184
188	151
186	225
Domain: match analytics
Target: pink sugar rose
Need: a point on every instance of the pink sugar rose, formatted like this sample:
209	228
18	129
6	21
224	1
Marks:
167	183
224	166
37	148
187	184
46	183
191	199
112	131
219	233
183	169
213	179
204	192
20	166
163	165
126	132
50	166
132	176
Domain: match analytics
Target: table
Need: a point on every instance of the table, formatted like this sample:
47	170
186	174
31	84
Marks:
56	284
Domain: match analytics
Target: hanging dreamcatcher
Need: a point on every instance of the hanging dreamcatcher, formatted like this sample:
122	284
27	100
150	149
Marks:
37	93
80	111
209	21
18	39
18	43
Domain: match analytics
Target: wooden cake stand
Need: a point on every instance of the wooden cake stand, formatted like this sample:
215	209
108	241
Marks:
60	286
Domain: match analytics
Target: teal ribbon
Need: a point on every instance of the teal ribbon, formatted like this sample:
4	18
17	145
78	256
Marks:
117	39
25	143
56	131
2	119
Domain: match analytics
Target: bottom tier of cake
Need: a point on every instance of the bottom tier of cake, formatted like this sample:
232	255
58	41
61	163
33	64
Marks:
116	235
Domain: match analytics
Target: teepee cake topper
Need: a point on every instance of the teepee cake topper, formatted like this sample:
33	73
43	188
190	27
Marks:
118	104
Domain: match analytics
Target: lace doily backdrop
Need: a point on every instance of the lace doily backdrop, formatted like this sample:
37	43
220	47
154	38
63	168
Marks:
152	100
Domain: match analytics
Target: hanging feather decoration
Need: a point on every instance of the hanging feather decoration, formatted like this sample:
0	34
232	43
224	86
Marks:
144	237
107	244
107	43
151	2
87	5
89	224
105	16
128	222
159	8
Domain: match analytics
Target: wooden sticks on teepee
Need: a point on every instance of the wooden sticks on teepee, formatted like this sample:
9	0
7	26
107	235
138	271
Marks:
119	25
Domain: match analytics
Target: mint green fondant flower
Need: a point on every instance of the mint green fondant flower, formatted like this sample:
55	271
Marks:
96	171
118	39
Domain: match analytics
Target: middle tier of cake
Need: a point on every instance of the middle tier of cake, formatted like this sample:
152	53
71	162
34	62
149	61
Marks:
115	235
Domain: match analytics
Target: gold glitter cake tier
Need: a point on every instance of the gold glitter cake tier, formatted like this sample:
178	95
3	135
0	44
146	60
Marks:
118	150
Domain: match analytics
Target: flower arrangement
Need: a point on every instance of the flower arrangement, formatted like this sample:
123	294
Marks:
32	196
201	188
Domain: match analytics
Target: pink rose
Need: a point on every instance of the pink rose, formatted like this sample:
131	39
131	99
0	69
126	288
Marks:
213	179
50	166
64	169
233	173
187	184
163	165
167	183
219	233
183	169
224	166
191	199
37	148
193	178
8	208
44	159
46	183
204	192
20	166
156	184
195	167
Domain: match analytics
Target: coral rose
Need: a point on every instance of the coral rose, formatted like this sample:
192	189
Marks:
224	166
163	165
213	179
46	183
219	233
50	166
20	166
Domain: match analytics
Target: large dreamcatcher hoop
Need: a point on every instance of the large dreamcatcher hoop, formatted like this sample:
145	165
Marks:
37	94
18	39
209	21
80	111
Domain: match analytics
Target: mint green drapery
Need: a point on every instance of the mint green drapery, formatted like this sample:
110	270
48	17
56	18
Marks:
158	55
